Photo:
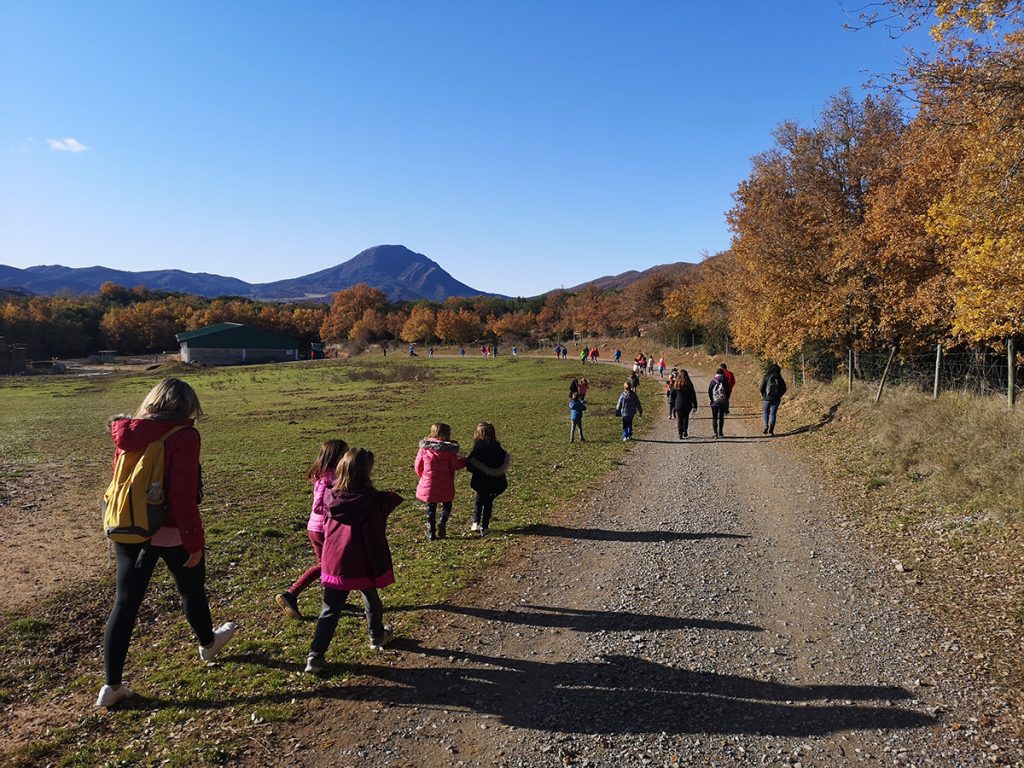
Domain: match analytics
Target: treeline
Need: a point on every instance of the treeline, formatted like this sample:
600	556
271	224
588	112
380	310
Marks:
869	230
137	320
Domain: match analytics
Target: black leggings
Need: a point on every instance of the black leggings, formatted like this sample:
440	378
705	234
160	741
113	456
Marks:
483	508
334	604
135	564
683	421
718	419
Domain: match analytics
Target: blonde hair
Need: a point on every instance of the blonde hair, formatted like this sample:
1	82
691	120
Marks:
484	434
627	387
170	396
354	470
440	431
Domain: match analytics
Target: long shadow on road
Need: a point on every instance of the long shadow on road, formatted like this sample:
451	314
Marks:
623	694
600	534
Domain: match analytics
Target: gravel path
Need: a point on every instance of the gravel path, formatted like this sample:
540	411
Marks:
707	605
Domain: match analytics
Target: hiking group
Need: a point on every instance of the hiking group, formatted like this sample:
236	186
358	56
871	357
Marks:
151	508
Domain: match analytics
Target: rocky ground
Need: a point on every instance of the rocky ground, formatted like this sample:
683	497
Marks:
708	604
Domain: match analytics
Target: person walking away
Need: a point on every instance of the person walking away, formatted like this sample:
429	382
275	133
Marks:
356	553
462	351
436	463
584	387
729	376
635	380
574	386
773	388
321	475
584	354
719	393
168	415
627	408
618	355
686	402
670	395
661	367
488	463
576	409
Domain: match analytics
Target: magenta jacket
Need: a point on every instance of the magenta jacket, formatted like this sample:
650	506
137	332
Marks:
316	515
436	464
356	553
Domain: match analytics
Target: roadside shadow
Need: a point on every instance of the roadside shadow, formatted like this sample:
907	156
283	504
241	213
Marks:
826	419
606	695
619	694
600	534
581	620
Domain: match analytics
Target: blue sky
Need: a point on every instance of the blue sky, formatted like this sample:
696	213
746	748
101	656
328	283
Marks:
522	145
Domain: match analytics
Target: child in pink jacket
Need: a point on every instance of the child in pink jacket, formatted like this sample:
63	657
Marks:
436	464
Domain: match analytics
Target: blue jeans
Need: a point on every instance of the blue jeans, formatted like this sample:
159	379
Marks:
627	426
771	411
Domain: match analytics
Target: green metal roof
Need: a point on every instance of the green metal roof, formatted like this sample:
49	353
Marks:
235	336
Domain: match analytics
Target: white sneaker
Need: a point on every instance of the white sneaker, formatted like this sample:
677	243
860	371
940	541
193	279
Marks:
475	526
315	664
111	695
381	642
220	639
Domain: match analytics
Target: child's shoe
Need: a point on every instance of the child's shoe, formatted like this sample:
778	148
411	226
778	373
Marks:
475	526
483	532
378	644
315	663
289	604
111	695
442	530
220	639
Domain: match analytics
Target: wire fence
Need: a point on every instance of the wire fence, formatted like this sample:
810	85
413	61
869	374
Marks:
981	372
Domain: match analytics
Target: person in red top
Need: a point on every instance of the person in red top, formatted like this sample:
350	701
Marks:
730	379
179	542
436	463
356	553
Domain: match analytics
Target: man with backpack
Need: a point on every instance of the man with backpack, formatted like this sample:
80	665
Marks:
718	393
773	387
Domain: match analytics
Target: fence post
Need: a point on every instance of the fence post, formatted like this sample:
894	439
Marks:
849	371
938	370
885	374
803	369
1011	371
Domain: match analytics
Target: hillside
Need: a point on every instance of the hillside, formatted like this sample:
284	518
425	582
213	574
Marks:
401	273
620	281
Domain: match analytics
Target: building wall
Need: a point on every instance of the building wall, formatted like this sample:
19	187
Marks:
226	356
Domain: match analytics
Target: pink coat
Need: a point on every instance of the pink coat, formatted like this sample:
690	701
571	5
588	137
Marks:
436	464
316	515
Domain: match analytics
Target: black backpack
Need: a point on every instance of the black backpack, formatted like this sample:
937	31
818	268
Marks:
773	389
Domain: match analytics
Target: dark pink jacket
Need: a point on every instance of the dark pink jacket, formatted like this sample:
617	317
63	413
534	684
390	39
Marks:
436	464
356	553
181	470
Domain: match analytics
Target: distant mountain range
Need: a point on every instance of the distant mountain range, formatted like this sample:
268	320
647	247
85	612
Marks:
394	269
620	281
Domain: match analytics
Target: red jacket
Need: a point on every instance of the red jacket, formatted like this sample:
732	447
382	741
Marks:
436	464
356	553
181	470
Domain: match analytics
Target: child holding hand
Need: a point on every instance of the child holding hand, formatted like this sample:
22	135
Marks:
436	463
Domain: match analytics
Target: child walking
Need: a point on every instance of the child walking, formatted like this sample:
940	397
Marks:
355	553
627	408
576	409
436	462
488	462
321	475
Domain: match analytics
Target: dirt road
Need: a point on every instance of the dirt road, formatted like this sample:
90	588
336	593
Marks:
707	605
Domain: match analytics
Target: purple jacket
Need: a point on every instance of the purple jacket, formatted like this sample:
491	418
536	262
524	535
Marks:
356	553
321	486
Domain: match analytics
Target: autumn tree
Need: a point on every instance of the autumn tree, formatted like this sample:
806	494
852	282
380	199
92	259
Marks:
420	325
513	325
369	327
347	308
457	327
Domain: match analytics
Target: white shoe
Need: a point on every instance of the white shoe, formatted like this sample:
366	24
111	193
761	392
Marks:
315	664
220	639
111	695
381	642
475	527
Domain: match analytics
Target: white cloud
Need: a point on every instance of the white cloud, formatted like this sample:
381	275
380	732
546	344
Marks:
67	145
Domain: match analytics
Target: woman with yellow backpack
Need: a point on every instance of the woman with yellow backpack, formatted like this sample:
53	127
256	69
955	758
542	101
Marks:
151	512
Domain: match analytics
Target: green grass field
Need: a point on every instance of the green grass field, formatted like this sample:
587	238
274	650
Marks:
262	428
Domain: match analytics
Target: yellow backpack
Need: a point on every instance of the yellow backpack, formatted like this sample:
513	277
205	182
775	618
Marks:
134	504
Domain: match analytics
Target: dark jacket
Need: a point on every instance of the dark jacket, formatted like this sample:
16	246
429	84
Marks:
356	553
685	398
776	372
718	377
181	470
489	464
